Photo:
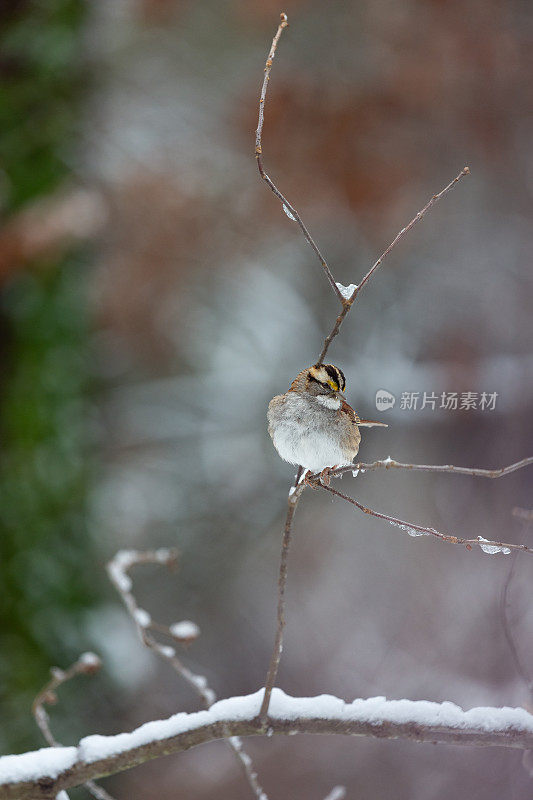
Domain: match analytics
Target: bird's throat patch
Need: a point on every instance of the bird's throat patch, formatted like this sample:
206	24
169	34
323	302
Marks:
333	403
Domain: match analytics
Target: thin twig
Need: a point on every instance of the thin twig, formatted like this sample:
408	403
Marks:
507	625
87	664
292	503
348	303
288	208
118	569
389	463
421	530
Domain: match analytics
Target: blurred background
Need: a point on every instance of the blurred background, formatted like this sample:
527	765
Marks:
154	298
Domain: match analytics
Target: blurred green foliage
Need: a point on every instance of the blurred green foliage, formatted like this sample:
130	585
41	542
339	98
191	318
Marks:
41	77
46	575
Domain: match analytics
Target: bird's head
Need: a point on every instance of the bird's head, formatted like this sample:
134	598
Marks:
325	379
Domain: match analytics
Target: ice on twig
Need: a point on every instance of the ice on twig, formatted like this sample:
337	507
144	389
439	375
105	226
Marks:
346	291
387	460
337	793
167	651
200	681
164	554
492	549
355	473
185	630
142	617
289	213
408	529
90	661
118	567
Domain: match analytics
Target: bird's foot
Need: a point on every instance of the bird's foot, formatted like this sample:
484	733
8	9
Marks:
307	479
325	476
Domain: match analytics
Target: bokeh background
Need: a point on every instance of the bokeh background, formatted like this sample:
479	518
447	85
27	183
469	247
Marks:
153	299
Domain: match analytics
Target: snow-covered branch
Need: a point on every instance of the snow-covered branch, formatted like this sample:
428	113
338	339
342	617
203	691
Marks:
42	774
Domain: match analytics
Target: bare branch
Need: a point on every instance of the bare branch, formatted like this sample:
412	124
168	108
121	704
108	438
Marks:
118	569
348	303
292	503
87	664
389	463
421	530
508	628
26	777
505	603
287	207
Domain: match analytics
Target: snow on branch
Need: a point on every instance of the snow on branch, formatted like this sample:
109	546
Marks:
42	774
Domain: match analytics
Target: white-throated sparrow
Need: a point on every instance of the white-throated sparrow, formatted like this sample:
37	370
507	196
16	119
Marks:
312	425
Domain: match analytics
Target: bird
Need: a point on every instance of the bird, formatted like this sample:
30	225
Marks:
312	425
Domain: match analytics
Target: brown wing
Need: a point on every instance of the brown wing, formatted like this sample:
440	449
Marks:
347	409
361	423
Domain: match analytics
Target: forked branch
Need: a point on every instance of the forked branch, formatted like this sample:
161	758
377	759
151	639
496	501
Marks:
418	216
87	664
184	632
347	303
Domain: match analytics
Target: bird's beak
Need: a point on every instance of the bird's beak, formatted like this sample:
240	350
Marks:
341	395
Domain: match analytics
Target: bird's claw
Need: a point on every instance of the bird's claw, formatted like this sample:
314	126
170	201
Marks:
325	476
309	481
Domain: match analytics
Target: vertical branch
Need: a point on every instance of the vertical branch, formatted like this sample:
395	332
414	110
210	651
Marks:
287	207
346	303
292	503
505	603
